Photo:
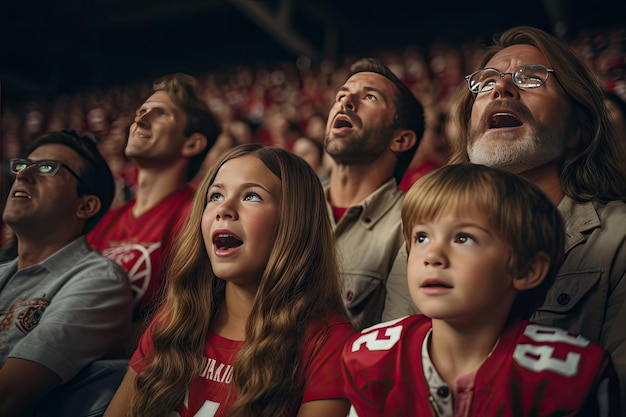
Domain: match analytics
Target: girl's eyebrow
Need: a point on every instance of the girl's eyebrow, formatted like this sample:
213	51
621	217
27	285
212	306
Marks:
254	185
244	185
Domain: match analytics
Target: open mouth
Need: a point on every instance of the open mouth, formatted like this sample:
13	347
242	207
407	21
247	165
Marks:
342	122
501	120
21	194
224	241
141	134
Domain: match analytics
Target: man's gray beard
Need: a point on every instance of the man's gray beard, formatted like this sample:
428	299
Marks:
517	155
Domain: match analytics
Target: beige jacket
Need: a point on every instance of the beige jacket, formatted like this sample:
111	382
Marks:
589	294
369	237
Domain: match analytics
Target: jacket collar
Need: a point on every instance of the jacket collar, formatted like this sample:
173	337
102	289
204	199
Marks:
579	218
374	206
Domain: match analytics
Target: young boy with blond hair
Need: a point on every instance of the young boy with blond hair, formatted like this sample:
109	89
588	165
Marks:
483	248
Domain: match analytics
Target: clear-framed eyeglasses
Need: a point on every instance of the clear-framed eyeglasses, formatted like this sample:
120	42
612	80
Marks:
525	76
44	168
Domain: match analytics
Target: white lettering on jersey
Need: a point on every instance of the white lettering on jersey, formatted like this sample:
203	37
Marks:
539	358
382	339
208	409
550	334
135	258
222	373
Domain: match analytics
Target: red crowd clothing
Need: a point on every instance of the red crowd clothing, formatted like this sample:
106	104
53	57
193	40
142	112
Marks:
414	174
213	392
141	245
534	370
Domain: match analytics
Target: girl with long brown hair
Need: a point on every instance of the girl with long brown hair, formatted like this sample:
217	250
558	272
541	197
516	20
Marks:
253	322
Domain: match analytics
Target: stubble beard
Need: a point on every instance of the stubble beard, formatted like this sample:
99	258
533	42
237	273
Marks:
361	148
535	148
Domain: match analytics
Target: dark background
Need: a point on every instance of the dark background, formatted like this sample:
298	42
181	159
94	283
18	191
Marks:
56	47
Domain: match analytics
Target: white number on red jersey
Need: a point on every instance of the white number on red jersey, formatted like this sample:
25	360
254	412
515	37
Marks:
550	334
208	409
384	338
540	358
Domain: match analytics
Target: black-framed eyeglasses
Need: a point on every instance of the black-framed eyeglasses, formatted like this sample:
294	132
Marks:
44	168
525	76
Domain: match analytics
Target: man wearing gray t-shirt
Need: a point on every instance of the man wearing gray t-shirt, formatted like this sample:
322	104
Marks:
62	304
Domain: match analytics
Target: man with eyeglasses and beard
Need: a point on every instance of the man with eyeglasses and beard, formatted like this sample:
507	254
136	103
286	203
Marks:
535	109
62	304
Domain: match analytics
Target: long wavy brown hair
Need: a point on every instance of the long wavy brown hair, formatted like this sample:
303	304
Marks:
300	285
594	170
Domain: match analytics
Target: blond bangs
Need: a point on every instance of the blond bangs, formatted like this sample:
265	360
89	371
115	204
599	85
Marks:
438	193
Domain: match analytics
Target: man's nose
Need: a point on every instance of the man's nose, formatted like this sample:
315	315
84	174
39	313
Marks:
27	173
143	119
348	102
505	87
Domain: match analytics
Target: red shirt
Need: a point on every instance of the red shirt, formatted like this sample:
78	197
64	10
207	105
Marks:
533	371
141	245
213	390
414	174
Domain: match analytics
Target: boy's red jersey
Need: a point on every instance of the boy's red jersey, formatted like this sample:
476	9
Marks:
533	371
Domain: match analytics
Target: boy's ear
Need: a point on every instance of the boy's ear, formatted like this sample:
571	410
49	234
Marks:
403	140
89	206
533	273
193	145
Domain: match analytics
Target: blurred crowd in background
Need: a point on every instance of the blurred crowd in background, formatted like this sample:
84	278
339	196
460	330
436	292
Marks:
276	103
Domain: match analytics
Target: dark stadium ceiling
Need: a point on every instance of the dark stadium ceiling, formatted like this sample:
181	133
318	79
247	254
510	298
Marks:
52	47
